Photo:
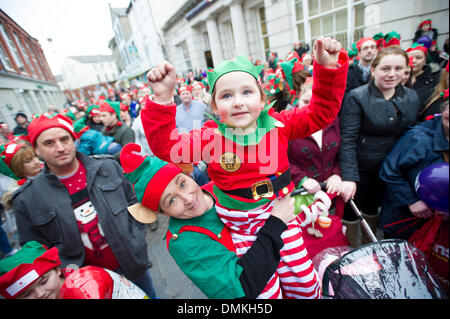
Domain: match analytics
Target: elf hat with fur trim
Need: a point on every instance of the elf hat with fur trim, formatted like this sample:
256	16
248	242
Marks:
362	40
240	63
7	153
149	176
22	269
111	107
418	46
43	123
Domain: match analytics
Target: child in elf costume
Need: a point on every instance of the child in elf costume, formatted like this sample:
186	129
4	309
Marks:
247	150
34	272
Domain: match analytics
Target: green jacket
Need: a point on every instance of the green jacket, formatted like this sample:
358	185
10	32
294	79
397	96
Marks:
208	263
122	134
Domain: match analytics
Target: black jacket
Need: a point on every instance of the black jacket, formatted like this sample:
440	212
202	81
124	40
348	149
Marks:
44	213
354	78
371	125
425	84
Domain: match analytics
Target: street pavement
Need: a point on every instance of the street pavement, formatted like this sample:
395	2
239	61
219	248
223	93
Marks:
168	280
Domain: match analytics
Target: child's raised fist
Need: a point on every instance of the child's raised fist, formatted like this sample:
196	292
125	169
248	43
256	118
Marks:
326	51
162	79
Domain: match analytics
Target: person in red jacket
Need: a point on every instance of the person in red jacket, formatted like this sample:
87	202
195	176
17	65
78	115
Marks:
247	150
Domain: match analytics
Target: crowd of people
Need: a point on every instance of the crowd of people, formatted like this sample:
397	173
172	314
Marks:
220	153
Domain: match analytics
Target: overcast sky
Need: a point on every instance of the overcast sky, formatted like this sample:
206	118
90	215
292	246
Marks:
76	27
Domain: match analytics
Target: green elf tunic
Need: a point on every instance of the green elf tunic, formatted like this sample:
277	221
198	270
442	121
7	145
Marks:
203	250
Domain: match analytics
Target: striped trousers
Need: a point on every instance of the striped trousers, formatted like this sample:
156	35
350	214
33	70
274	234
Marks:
295	276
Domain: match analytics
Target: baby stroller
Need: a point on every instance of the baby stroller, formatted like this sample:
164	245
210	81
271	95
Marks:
385	269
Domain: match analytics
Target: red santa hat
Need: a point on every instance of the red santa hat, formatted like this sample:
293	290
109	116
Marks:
43	123
362	40
184	88
428	21
21	270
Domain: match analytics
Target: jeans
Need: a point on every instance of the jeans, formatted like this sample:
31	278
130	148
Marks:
144	282
5	246
113	148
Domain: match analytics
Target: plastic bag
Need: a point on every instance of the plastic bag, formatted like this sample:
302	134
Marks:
388	269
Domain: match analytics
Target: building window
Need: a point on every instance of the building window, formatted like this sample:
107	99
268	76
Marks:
5	59
329	18
22	49
185	57
264	33
35	61
12	48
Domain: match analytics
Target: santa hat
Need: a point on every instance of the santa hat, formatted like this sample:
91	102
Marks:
7	152
184	88
200	84
417	46
42	123
21	270
428	21
124	107
392	38
111	107
93	110
149	176
379	39
362	41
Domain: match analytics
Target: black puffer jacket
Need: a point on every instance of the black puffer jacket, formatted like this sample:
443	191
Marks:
425	84
370	127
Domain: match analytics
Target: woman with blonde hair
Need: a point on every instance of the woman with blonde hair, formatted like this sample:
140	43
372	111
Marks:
433	105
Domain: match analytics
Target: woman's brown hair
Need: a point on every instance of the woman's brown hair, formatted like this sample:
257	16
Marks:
390	50
23	155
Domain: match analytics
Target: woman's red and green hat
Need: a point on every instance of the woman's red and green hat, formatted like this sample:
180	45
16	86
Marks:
148	174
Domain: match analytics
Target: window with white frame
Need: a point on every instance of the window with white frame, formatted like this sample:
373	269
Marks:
24	52
263	28
12	48
329	18
5	60
185	57
35	61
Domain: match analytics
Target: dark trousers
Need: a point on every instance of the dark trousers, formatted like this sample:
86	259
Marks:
368	195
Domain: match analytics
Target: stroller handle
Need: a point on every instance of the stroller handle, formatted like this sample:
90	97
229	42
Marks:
303	191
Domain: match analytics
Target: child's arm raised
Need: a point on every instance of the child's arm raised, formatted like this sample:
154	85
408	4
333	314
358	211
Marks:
162	79
329	81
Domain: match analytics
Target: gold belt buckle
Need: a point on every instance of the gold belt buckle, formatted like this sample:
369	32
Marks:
269	192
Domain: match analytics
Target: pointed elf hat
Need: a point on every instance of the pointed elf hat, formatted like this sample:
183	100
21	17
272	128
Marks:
21	270
273	85
417	46
240	63
150	177
7	152
289	68
392	38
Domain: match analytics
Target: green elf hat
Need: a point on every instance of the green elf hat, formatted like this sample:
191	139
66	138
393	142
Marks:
93	110
273	85
353	51
80	126
21	270
7	152
240	63
150	177
289	68
111	107
418	46
392	38
379	39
